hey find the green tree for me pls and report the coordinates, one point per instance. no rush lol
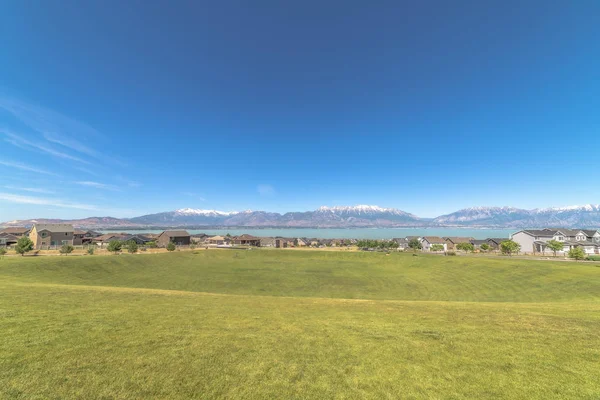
(114, 246)
(485, 247)
(171, 246)
(555, 246)
(577, 253)
(510, 247)
(437, 247)
(415, 244)
(466, 247)
(152, 244)
(66, 249)
(132, 247)
(90, 251)
(2, 252)
(24, 245)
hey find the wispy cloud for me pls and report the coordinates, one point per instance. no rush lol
(195, 195)
(25, 167)
(57, 128)
(20, 142)
(98, 185)
(28, 189)
(265, 190)
(15, 198)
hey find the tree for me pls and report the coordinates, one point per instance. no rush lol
(466, 247)
(171, 246)
(90, 251)
(485, 247)
(555, 246)
(132, 247)
(152, 244)
(66, 249)
(24, 245)
(509, 247)
(114, 246)
(577, 253)
(415, 244)
(437, 247)
(2, 252)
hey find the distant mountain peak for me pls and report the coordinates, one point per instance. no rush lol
(585, 207)
(194, 211)
(358, 208)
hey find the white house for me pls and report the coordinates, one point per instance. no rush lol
(536, 240)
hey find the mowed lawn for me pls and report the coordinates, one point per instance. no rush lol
(282, 324)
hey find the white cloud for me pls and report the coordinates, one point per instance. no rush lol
(20, 142)
(98, 185)
(57, 128)
(28, 189)
(15, 198)
(265, 190)
(25, 167)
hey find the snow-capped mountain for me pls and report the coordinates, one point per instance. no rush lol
(341, 216)
(510, 217)
(366, 216)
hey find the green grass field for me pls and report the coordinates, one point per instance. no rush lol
(305, 324)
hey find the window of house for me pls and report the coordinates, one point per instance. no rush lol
(561, 238)
(43, 234)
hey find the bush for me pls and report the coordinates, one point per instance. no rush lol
(132, 247)
(24, 245)
(115, 246)
(577, 253)
(151, 245)
(2, 251)
(90, 251)
(192, 246)
(450, 253)
(171, 246)
(66, 249)
(593, 258)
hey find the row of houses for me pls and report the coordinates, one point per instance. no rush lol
(56, 235)
(536, 240)
(448, 243)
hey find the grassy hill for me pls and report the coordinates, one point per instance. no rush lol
(284, 324)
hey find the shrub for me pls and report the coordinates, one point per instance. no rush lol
(171, 246)
(437, 247)
(2, 251)
(132, 247)
(151, 245)
(24, 245)
(484, 247)
(577, 253)
(90, 251)
(450, 253)
(66, 249)
(192, 246)
(593, 258)
(466, 247)
(115, 246)
(509, 247)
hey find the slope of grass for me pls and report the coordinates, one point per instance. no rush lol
(277, 324)
(322, 274)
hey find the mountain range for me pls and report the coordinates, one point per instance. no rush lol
(361, 216)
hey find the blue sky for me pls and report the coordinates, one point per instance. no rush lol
(128, 108)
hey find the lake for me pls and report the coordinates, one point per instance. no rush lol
(350, 233)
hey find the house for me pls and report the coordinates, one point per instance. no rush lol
(478, 242)
(451, 242)
(17, 231)
(180, 238)
(301, 242)
(6, 239)
(268, 242)
(44, 235)
(536, 240)
(281, 243)
(138, 239)
(200, 238)
(402, 243)
(81, 237)
(428, 241)
(218, 240)
(107, 238)
(495, 243)
(247, 240)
